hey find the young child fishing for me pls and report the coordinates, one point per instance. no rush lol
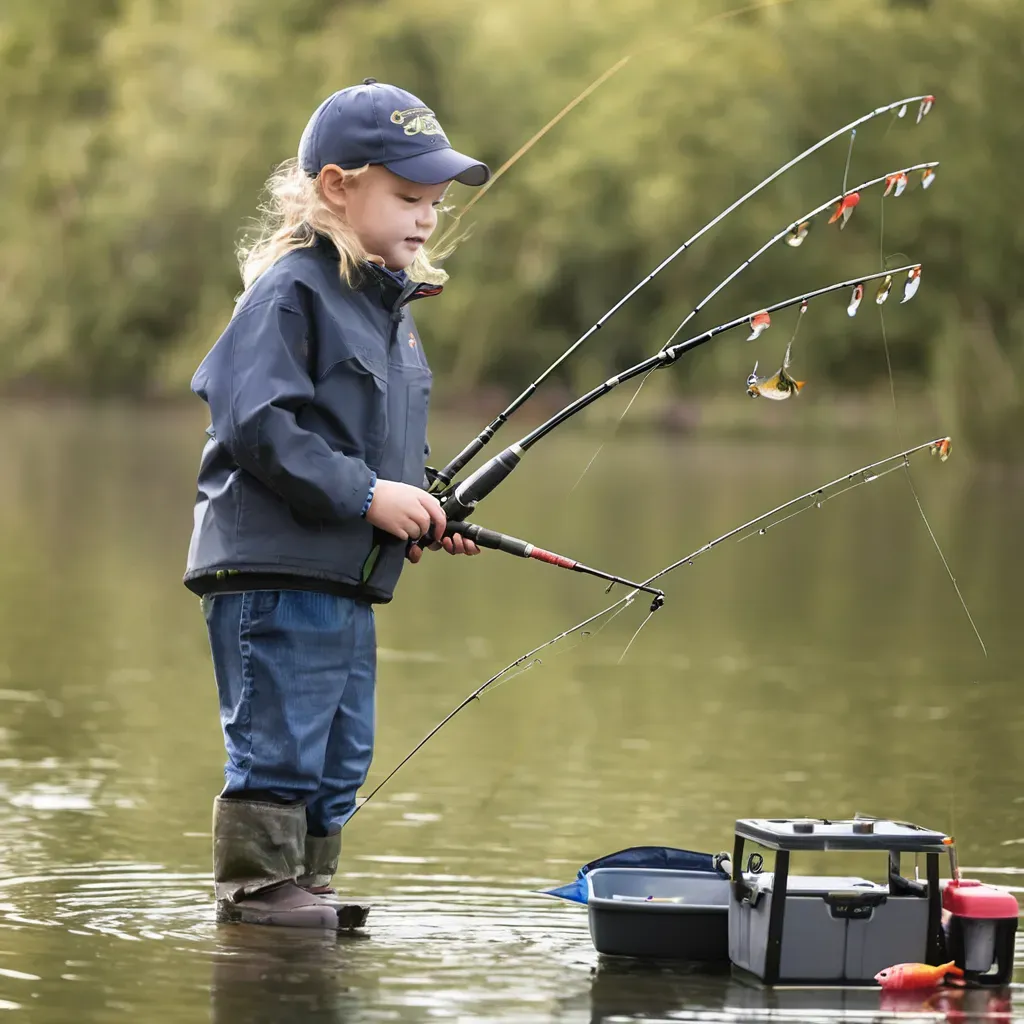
(311, 487)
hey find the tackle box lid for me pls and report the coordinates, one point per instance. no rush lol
(814, 885)
(969, 898)
(851, 834)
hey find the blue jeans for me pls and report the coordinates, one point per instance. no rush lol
(295, 675)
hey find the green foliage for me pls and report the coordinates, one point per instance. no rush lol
(138, 136)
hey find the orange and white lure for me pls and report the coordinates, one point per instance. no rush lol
(759, 323)
(941, 448)
(844, 209)
(926, 105)
(912, 284)
(779, 386)
(858, 294)
(927, 177)
(796, 236)
(896, 181)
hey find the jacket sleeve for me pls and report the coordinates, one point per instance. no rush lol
(255, 381)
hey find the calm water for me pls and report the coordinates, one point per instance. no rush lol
(825, 668)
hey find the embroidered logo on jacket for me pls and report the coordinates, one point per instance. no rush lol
(418, 121)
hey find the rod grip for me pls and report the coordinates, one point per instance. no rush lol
(490, 538)
(461, 502)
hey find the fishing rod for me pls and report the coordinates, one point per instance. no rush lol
(460, 501)
(523, 549)
(814, 498)
(442, 479)
(794, 234)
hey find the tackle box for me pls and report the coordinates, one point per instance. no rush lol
(657, 913)
(787, 928)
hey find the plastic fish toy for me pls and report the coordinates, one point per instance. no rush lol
(927, 177)
(926, 105)
(908, 976)
(913, 283)
(759, 323)
(941, 448)
(883, 290)
(845, 209)
(779, 386)
(896, 181)
(796, 237)
(858, 294)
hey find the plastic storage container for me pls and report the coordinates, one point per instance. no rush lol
(653, 913)
(981, 929)
(833, 929)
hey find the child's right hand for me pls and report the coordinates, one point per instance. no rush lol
(405, 511)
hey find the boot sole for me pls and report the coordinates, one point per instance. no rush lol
(324, 919)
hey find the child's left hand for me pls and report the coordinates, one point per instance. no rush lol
(457, 545)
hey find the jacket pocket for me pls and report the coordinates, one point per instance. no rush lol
(352, 399)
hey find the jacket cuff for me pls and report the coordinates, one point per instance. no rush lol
(369, 495)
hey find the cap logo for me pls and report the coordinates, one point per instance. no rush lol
(418, 121)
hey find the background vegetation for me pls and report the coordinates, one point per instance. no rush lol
(137, 135)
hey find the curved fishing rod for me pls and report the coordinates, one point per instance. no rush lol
(443, 477)
(795, 226)
(460, 502)
(813, 498)
(794, 233)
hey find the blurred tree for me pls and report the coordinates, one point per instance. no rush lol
(139, 134)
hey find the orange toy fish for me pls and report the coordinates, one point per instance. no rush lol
(845, 209)
(908, 976)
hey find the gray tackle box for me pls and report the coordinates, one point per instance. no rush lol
(657, 913)
(787, 928)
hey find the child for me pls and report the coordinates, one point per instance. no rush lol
(311, 488)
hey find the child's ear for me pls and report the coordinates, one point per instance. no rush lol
(333, 185)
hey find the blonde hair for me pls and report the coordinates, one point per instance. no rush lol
(294, 212)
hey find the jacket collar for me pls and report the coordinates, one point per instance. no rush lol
(395, 287)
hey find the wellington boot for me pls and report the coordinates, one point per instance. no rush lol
(286, 905)
(321, 858)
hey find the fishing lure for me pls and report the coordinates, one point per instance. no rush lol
(441, 480)
(844, 209)
(912, 284)
(855, 299)
(908, 976)
(896, 181)
(927, 177)
(796, 237)
(923, 110)
(779, 386)
(941, 448)
(759, 323)
(883, 290)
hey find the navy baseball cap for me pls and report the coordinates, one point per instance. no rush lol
(375, 123)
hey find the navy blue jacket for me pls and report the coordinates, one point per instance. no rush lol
(313, 387)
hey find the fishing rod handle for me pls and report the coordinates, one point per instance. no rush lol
(458, 503)
(492, 539)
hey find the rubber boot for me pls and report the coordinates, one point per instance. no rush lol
(257, 854)
(321, 853)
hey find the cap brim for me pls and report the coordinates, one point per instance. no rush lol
(440, 165)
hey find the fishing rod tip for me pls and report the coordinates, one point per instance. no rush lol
(659, 600)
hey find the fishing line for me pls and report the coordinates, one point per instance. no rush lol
(899, 438)
(849, 154)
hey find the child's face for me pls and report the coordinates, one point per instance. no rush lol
(391, 216)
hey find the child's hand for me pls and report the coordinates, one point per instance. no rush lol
(457, 545)
(405, 511)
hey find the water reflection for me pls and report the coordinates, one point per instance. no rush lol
(823, 669)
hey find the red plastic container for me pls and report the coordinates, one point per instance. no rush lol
(980, 929)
